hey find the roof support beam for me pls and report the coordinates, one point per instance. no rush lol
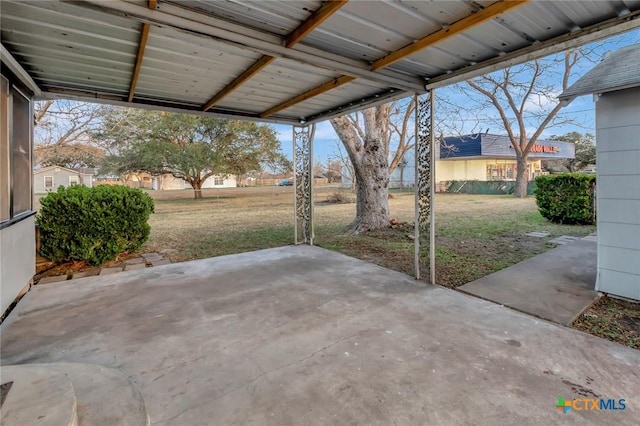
(201, 25)
(258, 66)
(323, 13)
(457, 27)
(332, 84)
(142, 45)
(318, 17)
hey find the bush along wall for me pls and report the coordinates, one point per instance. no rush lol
(567, 198)
(93, 224)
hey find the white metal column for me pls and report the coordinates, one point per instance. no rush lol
(424, 179)
(303, 184)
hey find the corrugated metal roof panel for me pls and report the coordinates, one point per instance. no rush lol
(348, 95)
(277, 17)
(198, 48)
(279, 82)
(68, 34)
(187, 67)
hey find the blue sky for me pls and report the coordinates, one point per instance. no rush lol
(580, 112)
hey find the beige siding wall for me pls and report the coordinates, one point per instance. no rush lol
(60, 178)
(461, 170)
(17, 259)
(448, 170)
(618, 175)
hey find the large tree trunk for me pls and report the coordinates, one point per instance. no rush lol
(197, 189)
(372, 195)
(522, 177)
(368, 153)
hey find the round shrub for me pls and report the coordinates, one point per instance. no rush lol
(93, 224)
(567, 198)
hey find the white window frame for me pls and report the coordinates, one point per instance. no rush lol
(76, 178)
(217, 179)
(45, 182)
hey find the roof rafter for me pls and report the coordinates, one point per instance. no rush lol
(323, 13)
(142, 45)
(210, 27)
(332, 84)
(457, 27)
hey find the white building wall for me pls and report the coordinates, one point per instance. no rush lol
(168, 182)
(618, 177)
(17, 259)
(448, 170)
(227, 182)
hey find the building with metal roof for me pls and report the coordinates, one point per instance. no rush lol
(615, 82)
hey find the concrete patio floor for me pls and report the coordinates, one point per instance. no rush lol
(302, 335)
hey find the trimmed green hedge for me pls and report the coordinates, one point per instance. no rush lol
(567, 197)
(93, 224)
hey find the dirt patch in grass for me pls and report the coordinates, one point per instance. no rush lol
(460, 261)
(390, 248)
(613, 319)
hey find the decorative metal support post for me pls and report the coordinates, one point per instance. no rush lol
(303, 183)
(424, 180)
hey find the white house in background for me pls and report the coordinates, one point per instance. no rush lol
(52, 177)
(615, 84)
(402, 177)
(168, 182)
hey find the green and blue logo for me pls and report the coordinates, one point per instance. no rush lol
(587, 404)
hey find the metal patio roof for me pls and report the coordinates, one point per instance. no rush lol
(284, 61)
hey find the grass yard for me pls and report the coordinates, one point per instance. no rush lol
(475, 234)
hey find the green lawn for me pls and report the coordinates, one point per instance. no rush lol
(475, 234)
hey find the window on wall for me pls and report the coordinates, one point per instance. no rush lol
(74, 180)
(15, 151)
(501, 171)
(48, 182)
(5, 181)
(21, 167)
(218, 181)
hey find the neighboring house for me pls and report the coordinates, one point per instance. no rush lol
(615, 84)
(476, 157)
(139, 180)
(402, 176)
(52, 177)
(168, 182)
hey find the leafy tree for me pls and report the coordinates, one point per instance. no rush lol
(72, 156)
(585, 150)
(63, 133)
(190, 147)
